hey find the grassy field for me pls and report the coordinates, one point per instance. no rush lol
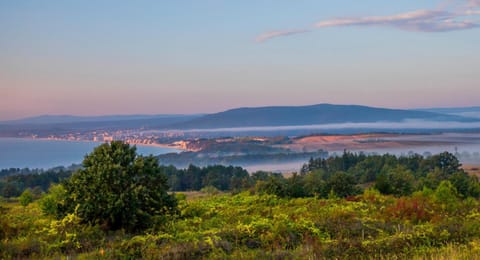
(254, 226)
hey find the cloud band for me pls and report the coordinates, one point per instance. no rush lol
(436, 20)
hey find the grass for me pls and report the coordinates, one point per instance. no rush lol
(245, 226)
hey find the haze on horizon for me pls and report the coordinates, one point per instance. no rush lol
(144, 57)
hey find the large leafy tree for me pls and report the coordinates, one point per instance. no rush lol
(119, 189)
(342, 185)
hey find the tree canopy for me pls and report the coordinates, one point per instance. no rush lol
(118, 189)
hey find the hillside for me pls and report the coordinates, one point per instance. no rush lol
(68, 119)
(46, 125)
(273, 116)
(472, 112)
(310, 115)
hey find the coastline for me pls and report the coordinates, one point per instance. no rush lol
(176, 147)
(158, 145)
(47, 153)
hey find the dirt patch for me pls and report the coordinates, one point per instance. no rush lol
(472, 169)
(345, 142)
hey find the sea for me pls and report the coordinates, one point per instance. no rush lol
(46, 154)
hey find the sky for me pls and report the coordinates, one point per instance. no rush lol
(201, 56)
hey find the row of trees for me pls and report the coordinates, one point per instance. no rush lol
(18, 171)
(343, 175)
(346, 175)
(207, 157)
(224, 178)
(367, 167)
(15, 181)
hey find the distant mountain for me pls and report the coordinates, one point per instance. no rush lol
(459, 111)
(235, 118)
(46, 125)
(61, 119)
(310, 115)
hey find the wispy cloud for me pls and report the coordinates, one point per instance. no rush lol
(473, 3)
(420, 21)
(450, 15)
(269, 35)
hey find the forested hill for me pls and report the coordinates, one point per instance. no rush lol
(48, 124)
(311, 115)
(273, 116)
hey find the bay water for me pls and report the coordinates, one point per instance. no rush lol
(36, 153)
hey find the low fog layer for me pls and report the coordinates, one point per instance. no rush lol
(408, 124)
(466, 146)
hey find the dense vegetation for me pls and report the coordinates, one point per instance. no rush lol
(203, 158)
(117, 189)
(14, 181)
(264, 226)
(224, 178)
(389, 174)
(352, 205)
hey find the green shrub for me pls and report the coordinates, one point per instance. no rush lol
(26, 197)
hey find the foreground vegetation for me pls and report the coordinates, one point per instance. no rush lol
(352, 206)
(245, 225)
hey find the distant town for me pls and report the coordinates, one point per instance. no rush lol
(140, 137)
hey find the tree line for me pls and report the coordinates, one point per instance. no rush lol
(343, 176)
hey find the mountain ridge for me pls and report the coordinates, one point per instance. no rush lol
(60, 119)
(316, 114)
(310, 115)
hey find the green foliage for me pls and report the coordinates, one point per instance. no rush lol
(467, 186)
(398, 181)
(342, 185)
(224, 178)
(275, 184)
(210, 190)
(26, 197)
(14, 181)
(370, 225)
(118, 189)
(314, 183)
(400, 176)
(446, 162)
(446, 195)
(53, 202)
(412, 208)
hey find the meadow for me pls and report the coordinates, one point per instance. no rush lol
(424, 225)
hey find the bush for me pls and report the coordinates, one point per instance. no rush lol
(118, 189)
(26, 197)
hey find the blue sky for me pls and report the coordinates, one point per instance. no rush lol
(130, 57)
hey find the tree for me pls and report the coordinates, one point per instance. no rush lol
(342, 185)
(26, 197)
(118, 189)
(53, 202)
(275, 184)
(398, 181)
(467, 186)
(446, 194)
(314, 183)
(446, 162)
(295, 186)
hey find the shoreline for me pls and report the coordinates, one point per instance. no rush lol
(180, 149)
(158, 145)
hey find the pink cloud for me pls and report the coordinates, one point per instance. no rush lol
(473, 3)
(269, 35)
(436, 20)
(383, 20)
(420, 21)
